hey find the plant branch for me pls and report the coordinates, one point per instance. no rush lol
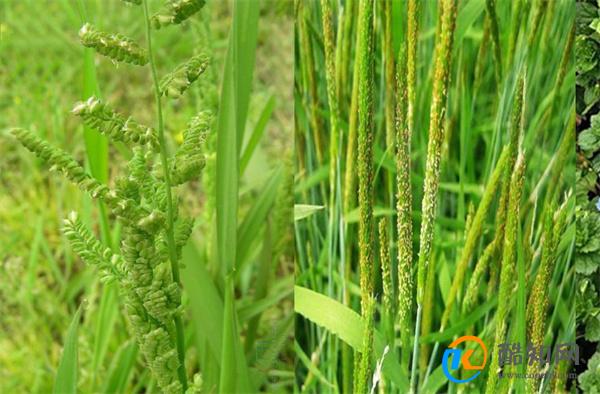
(170, 216)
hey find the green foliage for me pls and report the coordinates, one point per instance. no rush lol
(589, 139)
(587, 53)
(589, 381)
(587, 243)
(587, 252)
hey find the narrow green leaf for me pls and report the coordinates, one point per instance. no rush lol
(233, 109)
(435, 381)
(271, 346)
(107, 317)
(245, 35)
(66, 375)
(257, 133)
(466, 17)
(302, 211)
(205, 302)
(326, 312)
(255, 218)
(234, 376)
(348, 326)
(310, 366)
(462, 325)
(120, 370)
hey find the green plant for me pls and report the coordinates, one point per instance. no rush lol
(587, 252)
(142, 200)
(457, 251)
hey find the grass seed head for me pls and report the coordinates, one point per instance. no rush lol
(113, 45)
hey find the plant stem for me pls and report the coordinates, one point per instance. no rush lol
(170, 219)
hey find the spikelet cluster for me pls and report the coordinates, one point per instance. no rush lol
(189, 158)
(365, 151)
(363, 363)
(365, 178)
(92, 251)
(508, 264)
(113, 45)
(63, 162)
(105, 120)
(332, 94)
(176, 82)
(176, 11)
(436, 136)
(151, 300)
(475, 281)
(183, 232)
(404, 209)
(538, 300)
(386, 266)
(490, 6)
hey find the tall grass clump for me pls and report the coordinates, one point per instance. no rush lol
(463, 170)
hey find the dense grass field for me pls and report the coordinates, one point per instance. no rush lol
(311, 196)
(435, 166)
(61, 326)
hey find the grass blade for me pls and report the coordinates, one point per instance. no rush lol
(66, 375)
(348, 326)
(255, 218)
(235, 95)
(121, 368)
(257, 133)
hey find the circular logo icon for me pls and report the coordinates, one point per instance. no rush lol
(454, 358)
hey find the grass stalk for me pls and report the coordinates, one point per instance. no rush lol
(508, 266)
(436, 136)
(539, 10)
(475, 282)
(490, 6)
(350, 174)
(179, 334)
(516, 25)
(363, 369)
(412, 40)
(404, 213)
(365, 171)
(473, 235)
(413, 368)
(386, 278)
(427, 318)
(309, 64)
(365, 152)
(443, 61)
(390, 73)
